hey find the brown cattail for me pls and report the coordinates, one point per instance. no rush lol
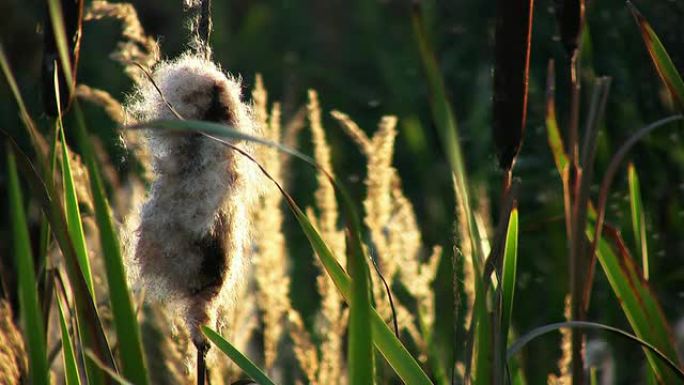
(571, 18)
(513, 35)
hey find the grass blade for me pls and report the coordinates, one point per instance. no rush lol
(445, 121)
(540, 331)
(638, 220)
(72, 27)
(661, 59)
(127, 328)
(360, 353)
(70, 366)
(553, 134)
(112, 374)
(28, 295)
(90, 327)
(638, 302)
(510, 263)
(240, 359)
(511, 72)
(73, 214)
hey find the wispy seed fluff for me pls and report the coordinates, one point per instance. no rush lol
(193, 230)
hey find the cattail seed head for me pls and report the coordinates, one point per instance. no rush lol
(193, 228)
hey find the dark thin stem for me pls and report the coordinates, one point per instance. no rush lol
(202, 350)
(204, 25)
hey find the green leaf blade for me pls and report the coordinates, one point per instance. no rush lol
(638, 219)
(70, 366)
(360, 351)
(28, 294)
(638, 302)
(237, 357)
(661, 59)
(510, 263)
(125, 321)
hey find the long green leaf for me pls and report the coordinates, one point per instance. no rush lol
(510, 263)
(90, 327)
(28, 295)
(70, 366)
(384, 339)
(661, 59)
(240, 359)
(540, 331)
(638, 220)
(360, 353)
(73, 214)
(637, 300)
(445, 121)
(554, 137)
(127, 328)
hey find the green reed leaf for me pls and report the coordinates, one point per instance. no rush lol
(31, 316)
(244, 363)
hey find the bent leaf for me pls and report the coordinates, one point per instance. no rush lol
(240, 359)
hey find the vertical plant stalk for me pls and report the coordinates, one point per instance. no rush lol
(571, 23)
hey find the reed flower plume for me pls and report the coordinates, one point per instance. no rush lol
(13, 358)
(332, 319)
(193, 229)
(136, 47)
(270, 260)
(394, 231)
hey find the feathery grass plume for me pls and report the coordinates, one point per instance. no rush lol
(565, 375)
(270, 260)
(166, 363)
(137, 47)
(304, 349)
(131, 140)
(331, 322)
(103, 99)
(13, 359)
(465, 250)
(239, 329)
(390, 218)
(194, 224)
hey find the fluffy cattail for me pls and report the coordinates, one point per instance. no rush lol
(194, 225)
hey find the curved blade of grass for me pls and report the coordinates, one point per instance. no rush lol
(384, 339)
(28, 295)
(38, 141)
(607, 181)
(90, 327)
(637, 300)
(540, 331)
(553, 134)
(510, 263)
(638, 220)
(481, 347)
(70, 366)
(661, 59)
(127, 328)
(445, 121)
(58, 28)
(238, 358)
(73, 214)
(360, 353)
(112, 374)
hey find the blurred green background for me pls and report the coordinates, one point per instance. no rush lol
(362, 58)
